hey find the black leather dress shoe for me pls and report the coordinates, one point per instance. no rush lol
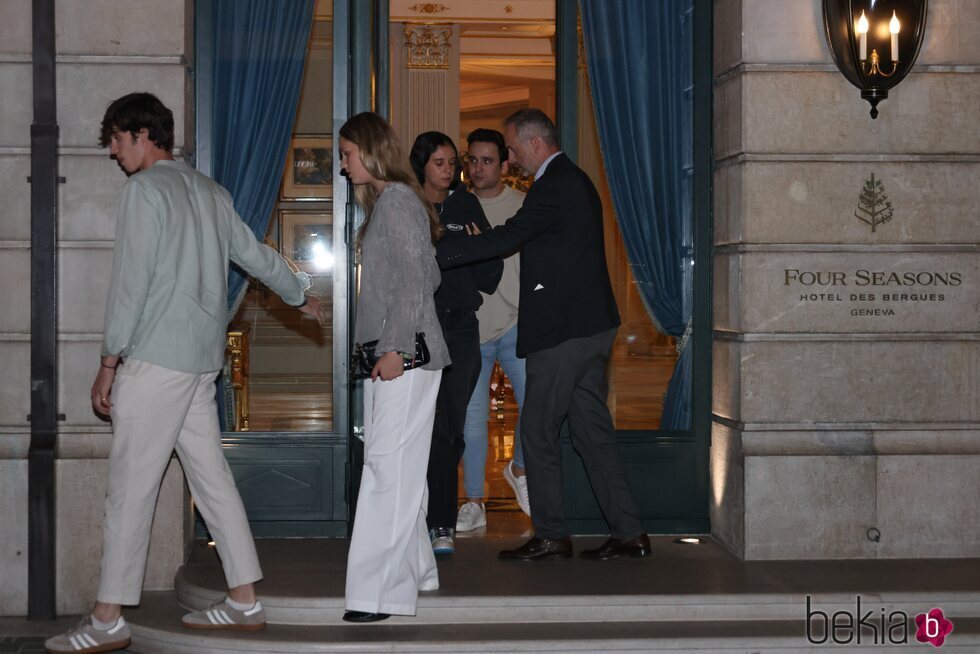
(540, 548)
(615, 548)
(361, 616)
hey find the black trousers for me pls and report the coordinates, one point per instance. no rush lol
(462, 333)
(570, 380)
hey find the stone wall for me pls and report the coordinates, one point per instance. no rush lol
(104, 49)
(836, 413)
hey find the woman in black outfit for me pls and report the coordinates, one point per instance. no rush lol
(437, 166)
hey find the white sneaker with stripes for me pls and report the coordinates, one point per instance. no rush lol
(221, 615)
(86, 639)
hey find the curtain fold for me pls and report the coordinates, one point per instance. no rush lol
(259, 53)
(639, 63)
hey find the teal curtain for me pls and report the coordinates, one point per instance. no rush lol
(259, 52)
(639, 55)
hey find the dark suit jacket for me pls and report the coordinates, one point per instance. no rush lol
(565, 290)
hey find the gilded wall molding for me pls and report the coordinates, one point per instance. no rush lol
(427, 46)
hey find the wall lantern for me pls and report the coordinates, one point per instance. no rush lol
(874, 42)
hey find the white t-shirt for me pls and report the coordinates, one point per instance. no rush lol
(499, 311)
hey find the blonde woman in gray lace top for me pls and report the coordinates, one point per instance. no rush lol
(390, 557)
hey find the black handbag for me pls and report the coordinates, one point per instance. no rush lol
(364, 357)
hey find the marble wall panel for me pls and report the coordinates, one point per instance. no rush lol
(853, 381)
(16, 85)
(15, 27)
(15, 209)
(96, 27)
(89, 198)
(927, 506)
(821, 112)
(13, 537)
(809, 507)
(83, 282)
(81, 486)
(816, 202)
(15, 290)
(727, 489)
(849, 292)
(86, 89)
(15, 380)
(952, 33)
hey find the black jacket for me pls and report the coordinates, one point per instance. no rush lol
(461, 286)
(565, 289)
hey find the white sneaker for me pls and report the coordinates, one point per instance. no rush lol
(442, 540)
(472, 515)
(519, 484)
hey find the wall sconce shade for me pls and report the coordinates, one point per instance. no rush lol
(874, 42)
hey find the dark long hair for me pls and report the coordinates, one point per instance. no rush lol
(382, 157)
(425, 144)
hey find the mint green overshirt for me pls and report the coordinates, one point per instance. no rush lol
(176, 232)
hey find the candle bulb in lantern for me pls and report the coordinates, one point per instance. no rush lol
(863, 31)
(894, 26)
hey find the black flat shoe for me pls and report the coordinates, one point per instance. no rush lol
(361, 616)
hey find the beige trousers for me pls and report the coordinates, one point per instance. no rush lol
(391, 557)
(155, 410)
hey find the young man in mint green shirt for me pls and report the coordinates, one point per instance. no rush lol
(166, 318)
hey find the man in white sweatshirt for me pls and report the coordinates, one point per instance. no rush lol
(486, 162)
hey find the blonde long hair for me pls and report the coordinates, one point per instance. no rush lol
(383, 158)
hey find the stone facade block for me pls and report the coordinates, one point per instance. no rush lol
(727, 46)
(815, 202)
(15, 27)
(927, 506)
(84, 275)
(783, 31)
(15, 210)
(728, 130)
(809, 507)
(13, 537)
(848, 381)
(847, 292)
(821, 112)
(16, 84)
(89, 199)
(15, 379)
(85, 90)
(79, 362)
(81, 487)
(727, 496)
(94, 27)
(15, 293)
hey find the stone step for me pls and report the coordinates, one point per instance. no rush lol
(156, 630)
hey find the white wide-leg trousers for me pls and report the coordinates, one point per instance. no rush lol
(154, 410)
(391, 557)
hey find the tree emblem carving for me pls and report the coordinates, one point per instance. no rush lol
(873, 205)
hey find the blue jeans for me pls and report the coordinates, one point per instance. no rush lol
(504, 350)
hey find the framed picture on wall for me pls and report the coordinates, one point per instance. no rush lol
(306, 239)
(309, 169)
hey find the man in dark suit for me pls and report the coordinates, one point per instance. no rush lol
(566, 326)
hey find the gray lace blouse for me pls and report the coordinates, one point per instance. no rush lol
(399, 275)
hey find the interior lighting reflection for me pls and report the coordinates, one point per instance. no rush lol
(322, 257)
(688, 541)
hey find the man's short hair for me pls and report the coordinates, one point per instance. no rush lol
(483, 135)
(137, 111)
(533, 122)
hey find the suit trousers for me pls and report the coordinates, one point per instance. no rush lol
(570, 380)
(390, 556)
(462, 332)
(155, 410)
